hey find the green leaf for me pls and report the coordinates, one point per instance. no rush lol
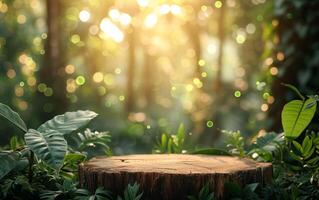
(13, 117)
(170, 146)
(181, 134)
(205, 193)
(163, 142)
(14, 143)
(307, 144)
(308, 154)
(132, 192)
(93, 139)
(72, 160)
(8, 161)
(252, 187)
(298, 146)
(102, 194)
(295, 157)
(296, 117)
(68, 122)
(49, 146)
(313, 160)
(212, 151)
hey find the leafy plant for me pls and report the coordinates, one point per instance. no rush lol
(47, 143)
(172, 143)
(68, 122)
(234, 191)
(49, 146)
(131, 193)
(99, 194)
(68, 190)
(297, 170)
(304, 154)
(297, 115)
(8, 161)
(204, 194)
(12, 116)
(235, 143)
(93, 142)
(267, 147)
(18, 188)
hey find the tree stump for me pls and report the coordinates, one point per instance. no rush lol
(171, 176)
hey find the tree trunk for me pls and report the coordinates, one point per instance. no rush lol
(130, 100)
(172, 176)
(52, 71)
(221, 37)
(148, 76)
(217, 85)
(193, 31)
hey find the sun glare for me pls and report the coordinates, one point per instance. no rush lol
(111, 30)
(84, 15)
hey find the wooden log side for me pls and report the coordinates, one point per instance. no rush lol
(171, 176)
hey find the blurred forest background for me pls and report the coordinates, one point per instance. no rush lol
(148, 65)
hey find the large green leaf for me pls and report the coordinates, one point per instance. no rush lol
(49, 146)
(296, 116)
(8, 161)
(13, 117)
(68, 122)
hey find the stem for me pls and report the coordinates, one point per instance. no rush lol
(31, 161)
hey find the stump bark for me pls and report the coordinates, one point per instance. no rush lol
(171, 176)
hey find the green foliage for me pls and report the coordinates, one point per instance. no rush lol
(212, 151)
(71, 160)
(65, 191)
(68, 190)
(304, 154)
(234, 191)
(172, 143)
(204, 194)
(8, 161)
(267, 148)
(297, 170)
(12, 116)
(296, 116)
(49, 146)
(235, 143)
(90, 140)
(100, 194)
(18, 188)
(131, 193)
(16, 143)
(68, 122)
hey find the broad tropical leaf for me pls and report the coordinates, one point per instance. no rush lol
(68, 122)
(296, 116)
(8, 161)
(13, 117)
(49, 146)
